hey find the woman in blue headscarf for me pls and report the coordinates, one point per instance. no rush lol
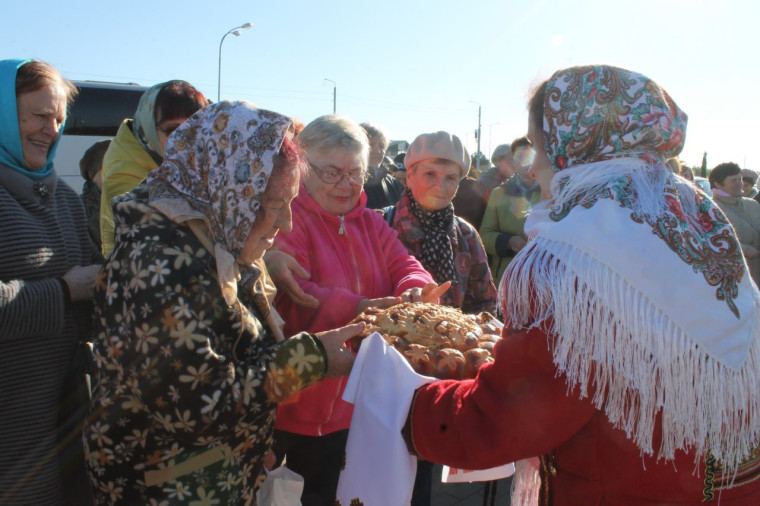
(47, 277)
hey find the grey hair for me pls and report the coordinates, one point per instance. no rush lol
(375, 131)
(330, 132)
(500, 152)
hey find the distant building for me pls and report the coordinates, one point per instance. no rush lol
(396, 147)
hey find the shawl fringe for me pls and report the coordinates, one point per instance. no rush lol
(635, 363)
(526, 484)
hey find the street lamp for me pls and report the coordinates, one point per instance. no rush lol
(236, 32)
(477, 157)
(489, 137)
(335, 93)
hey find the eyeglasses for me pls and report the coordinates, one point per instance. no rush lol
(167, 131)
(335, 177)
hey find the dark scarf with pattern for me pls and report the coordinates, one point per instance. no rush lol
(436, 256)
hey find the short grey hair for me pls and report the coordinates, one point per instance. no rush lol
(500, 152)
(375, 131)
(330, 132)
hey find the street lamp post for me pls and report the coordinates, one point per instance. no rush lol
(477, 157)
(335, 94)
(236, 32)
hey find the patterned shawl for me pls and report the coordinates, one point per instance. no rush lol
(436, 255)
(652, 306)
(216, 168)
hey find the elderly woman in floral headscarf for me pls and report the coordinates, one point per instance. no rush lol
(630, 391)
(190, 358)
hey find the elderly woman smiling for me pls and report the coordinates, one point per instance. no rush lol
(355, 262)
(191, 360)
(45, 293)
(445, 244)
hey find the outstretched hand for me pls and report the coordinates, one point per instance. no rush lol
(283, 268)
(431, 292)
(381, 303)
(340, 359)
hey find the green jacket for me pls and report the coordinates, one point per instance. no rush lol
(504, 217)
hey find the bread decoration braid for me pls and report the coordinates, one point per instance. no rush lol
(436, 340)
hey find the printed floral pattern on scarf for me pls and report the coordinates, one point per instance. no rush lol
(598, 113)
(181, 373)
(435, 254)
(592, 113)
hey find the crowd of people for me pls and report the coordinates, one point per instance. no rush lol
(180, 330)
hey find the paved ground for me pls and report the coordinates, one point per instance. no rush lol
(468, 494)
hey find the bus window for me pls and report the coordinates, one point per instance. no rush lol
(96, 114)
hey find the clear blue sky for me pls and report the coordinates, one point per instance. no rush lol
(414, 66)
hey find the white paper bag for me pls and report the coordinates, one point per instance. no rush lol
(282, 487)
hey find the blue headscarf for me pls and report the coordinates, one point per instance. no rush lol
(11, 152)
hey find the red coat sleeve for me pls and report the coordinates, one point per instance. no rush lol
(516, 407)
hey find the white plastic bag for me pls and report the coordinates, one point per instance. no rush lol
(282, 487)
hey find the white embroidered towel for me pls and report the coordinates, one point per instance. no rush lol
(379, 470)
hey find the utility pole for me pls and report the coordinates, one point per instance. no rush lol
(335, 94)
(477, 156)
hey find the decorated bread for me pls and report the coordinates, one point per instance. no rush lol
(437, 340)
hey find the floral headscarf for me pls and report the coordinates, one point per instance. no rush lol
(639, 273)
(595, 113)
(216, 168)
(220, 160)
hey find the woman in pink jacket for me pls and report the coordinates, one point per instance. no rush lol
(355, 261)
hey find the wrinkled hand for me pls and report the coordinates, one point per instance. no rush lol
(381, 303)
(431, 292)
(749, 251)
(516, 243)
(282, 268)
(340, 360)
(81, 281)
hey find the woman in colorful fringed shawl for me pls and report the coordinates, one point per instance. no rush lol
(190, 358)
(630, 360)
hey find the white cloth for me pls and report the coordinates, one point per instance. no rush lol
(713, 328)
(379, 469)
(283, 487)
(649, 301)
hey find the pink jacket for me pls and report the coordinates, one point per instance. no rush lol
(351, 257)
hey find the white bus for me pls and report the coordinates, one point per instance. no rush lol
(95, 114)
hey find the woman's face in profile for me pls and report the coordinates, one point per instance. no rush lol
(274, 214)
(747, 187)
(541, 168)
(166, 127)
(731, 184)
